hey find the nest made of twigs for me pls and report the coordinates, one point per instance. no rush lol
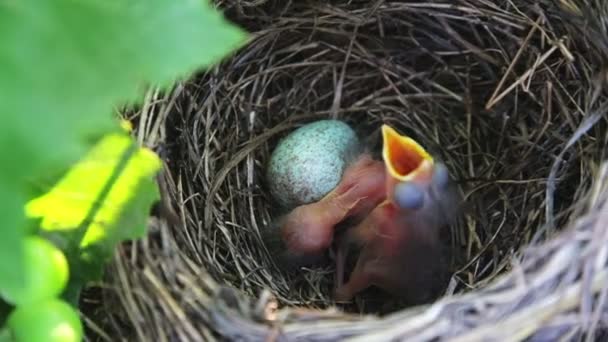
(509, 94)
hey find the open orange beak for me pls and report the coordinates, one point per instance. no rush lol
(405, 160)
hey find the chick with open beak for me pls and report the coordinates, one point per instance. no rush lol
(399, 241)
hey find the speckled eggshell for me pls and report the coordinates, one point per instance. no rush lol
(309, 162)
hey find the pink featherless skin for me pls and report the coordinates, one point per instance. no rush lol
(400, 248)
(307, 231)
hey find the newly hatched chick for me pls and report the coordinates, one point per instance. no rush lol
(308, 231)
(401, 251)
(310, 175)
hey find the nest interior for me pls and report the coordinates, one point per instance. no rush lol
(510, 96)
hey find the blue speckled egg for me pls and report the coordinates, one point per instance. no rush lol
(309, 162)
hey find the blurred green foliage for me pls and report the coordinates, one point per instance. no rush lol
(66, 65)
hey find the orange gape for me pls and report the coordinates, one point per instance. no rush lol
(400, 249)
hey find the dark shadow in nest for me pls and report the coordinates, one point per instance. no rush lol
(490, 90)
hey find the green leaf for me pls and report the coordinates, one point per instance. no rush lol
(11, 236)
(65, 65)
(101, 201)
(5, 335)
(5, 310)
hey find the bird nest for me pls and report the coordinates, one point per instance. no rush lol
(509, 94)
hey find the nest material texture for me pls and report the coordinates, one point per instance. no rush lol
(510, 94)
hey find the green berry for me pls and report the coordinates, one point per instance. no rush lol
(51, 320)
(46, 273)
